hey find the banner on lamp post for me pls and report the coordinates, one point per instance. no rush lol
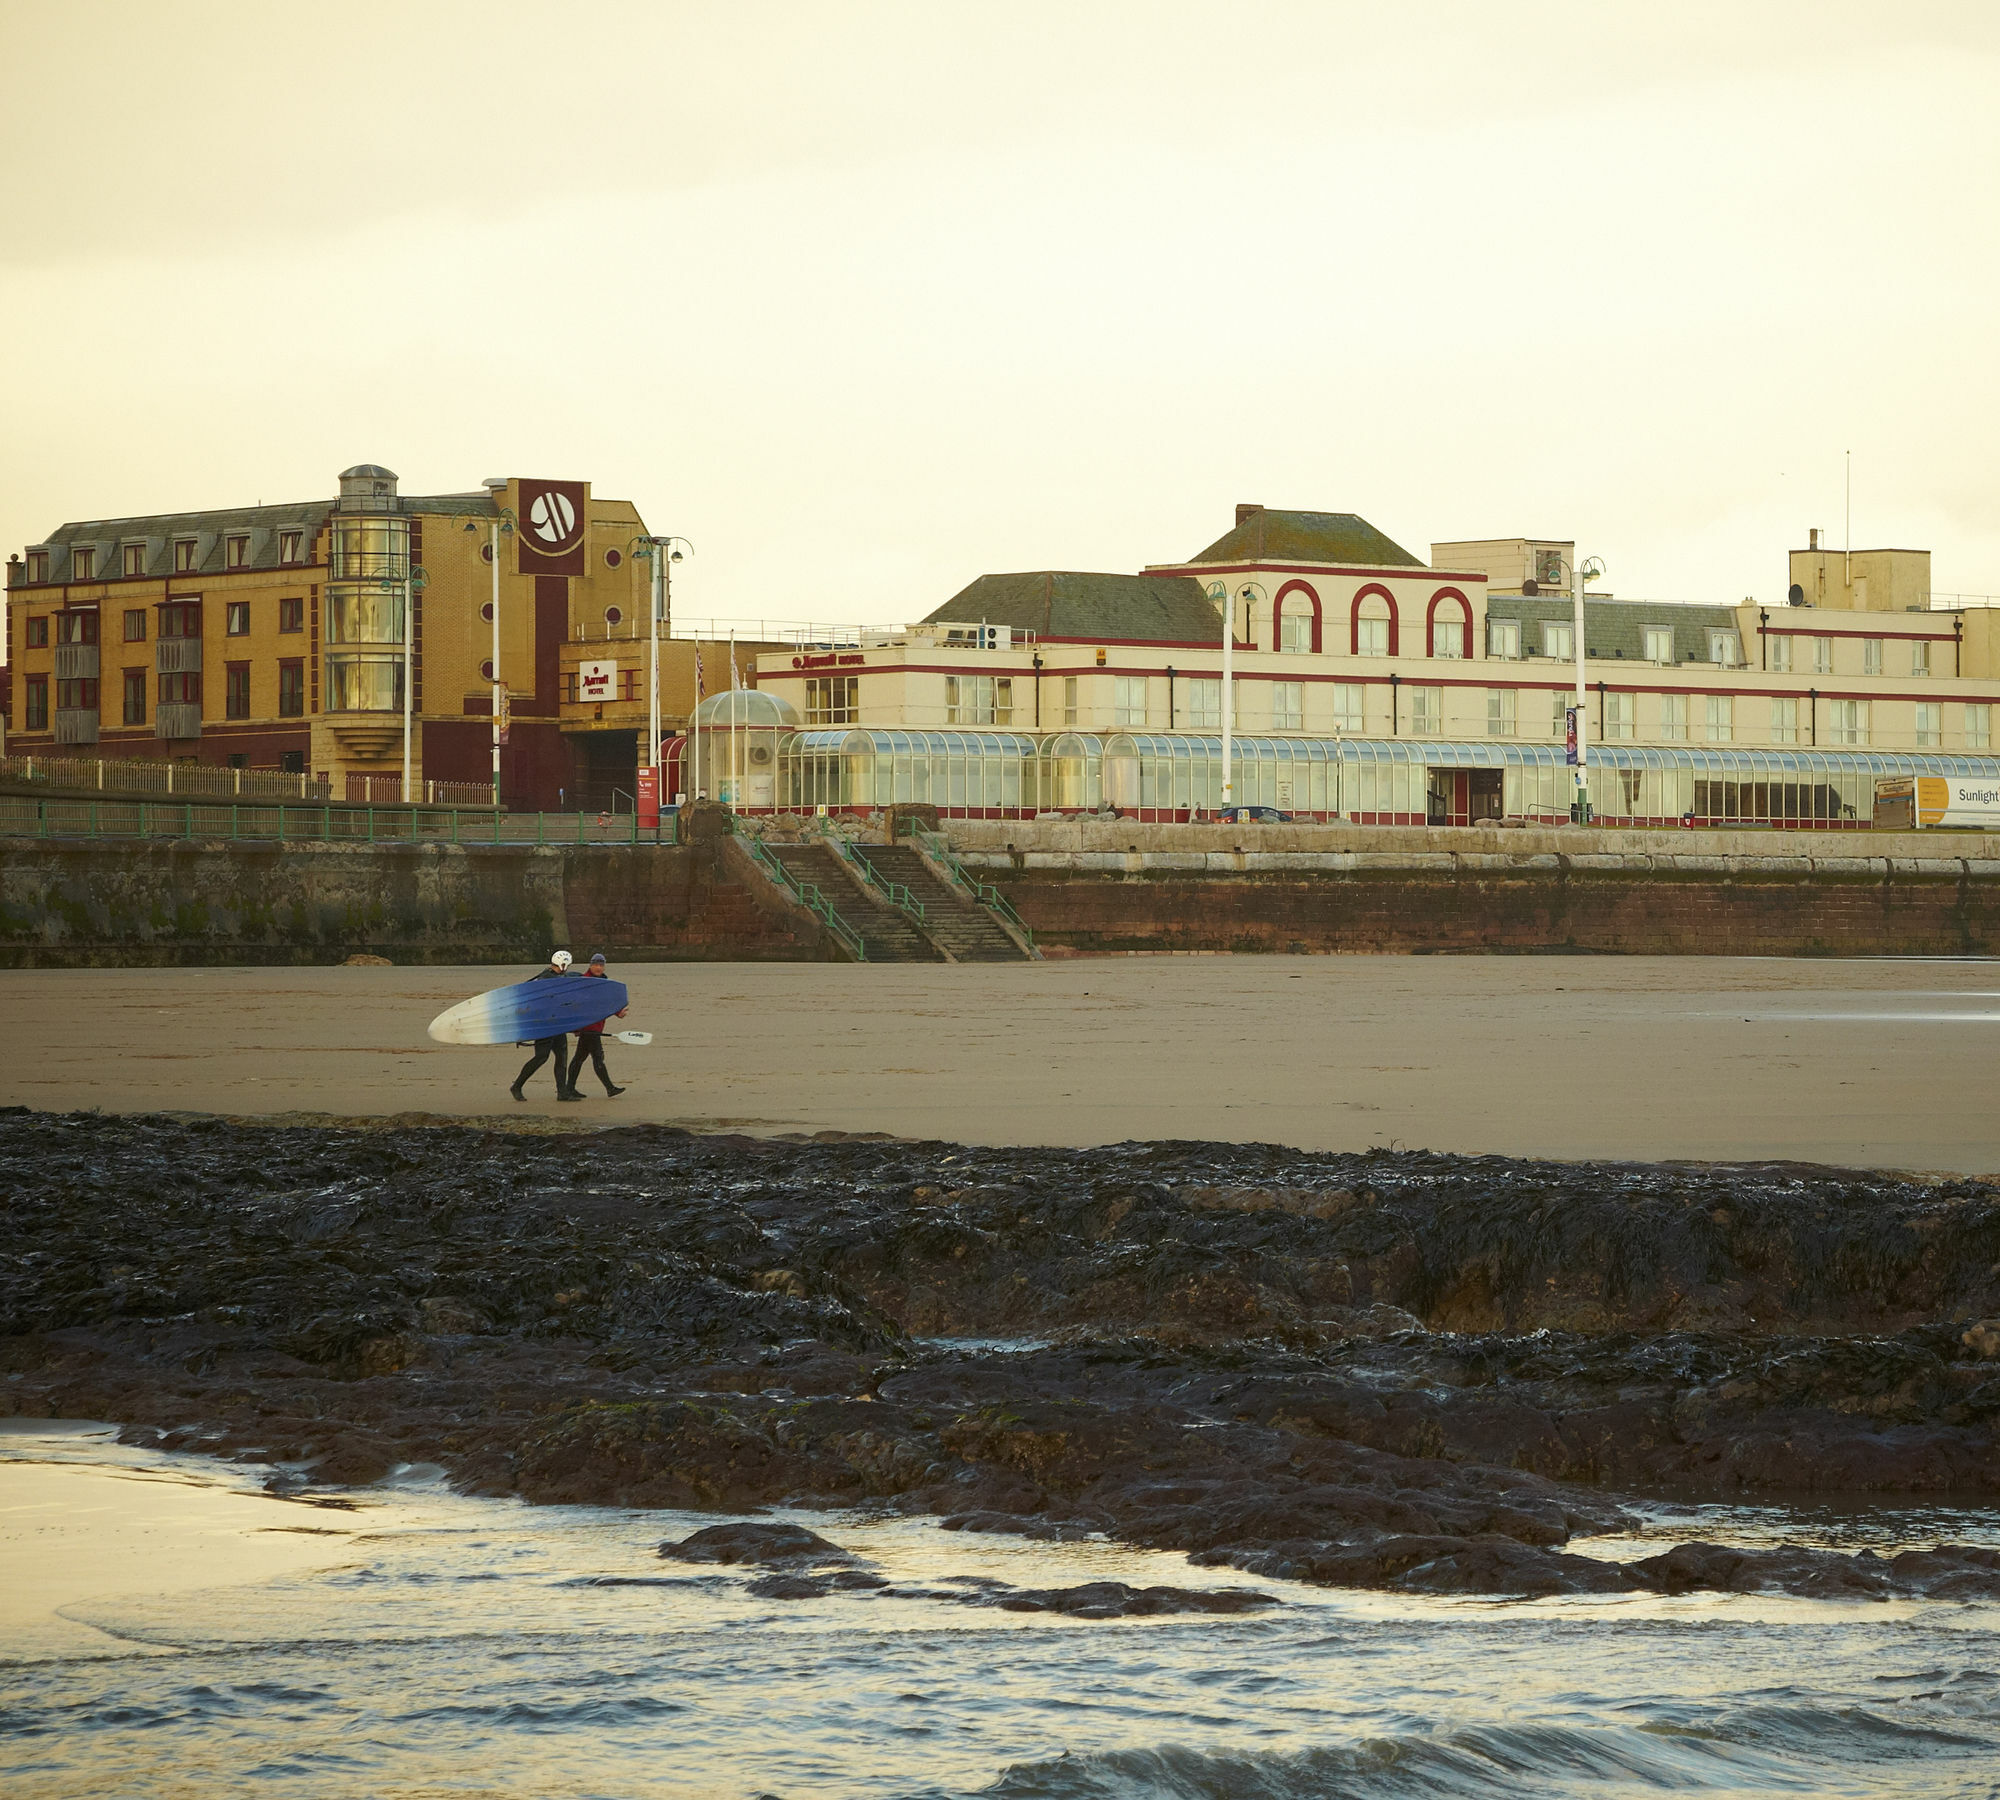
(506, 713)
(1569, 736)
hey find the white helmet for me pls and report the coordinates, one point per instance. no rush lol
(560, 960)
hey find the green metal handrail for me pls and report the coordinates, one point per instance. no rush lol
(894, 892)
(32, 816)
(939, 849)
(807, 894)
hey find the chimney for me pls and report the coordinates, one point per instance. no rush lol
(1812, 538)
(1244, 508)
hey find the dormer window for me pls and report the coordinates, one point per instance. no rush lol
(83, 562)
(238, 554)
(183, 556)
(289, 544)
(38, 567)
(135, 559)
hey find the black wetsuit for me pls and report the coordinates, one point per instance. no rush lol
(557, 1046)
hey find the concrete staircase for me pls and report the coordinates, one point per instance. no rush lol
(953, 920)
(890, 934)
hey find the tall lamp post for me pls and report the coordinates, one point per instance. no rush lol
(413, 580)
(502, 524)
(1219, 593)
(1590, 569)
(662, 553)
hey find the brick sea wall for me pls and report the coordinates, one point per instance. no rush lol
(138, 903)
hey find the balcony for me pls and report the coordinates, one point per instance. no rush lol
(77, 662)
(178, 656)
(77, 724)
(177, 718)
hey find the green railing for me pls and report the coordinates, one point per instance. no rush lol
(30, 816)
(807, 894)
(938, 848)
(894, 892)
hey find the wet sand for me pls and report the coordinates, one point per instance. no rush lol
(71, 1532)
(1875, 1063)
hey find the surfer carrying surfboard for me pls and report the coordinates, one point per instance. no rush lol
(590, 1040)
(546, 1047)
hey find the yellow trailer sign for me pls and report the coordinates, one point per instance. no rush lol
(1924, 802)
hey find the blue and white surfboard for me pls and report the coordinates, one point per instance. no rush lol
(528, 1010)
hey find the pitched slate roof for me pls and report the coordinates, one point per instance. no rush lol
(1616, 629)
(1316, 537)
(1064, 603)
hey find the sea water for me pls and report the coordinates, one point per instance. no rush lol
(460, 1647)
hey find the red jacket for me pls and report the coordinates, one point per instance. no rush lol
(602, 975)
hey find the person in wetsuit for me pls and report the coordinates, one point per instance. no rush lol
(557, 1046)
(590, 1041)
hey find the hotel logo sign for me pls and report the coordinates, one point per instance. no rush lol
(552, 524)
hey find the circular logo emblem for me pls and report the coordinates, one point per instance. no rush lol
(552, 518)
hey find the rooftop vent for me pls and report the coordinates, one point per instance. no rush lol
(367, 487)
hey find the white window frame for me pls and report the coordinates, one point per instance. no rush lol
(1778, 653)
(1920, 656)
(1930, 724)
(1559, 640)
(1503, 639)
(1371, 637)
(1978, 722)
(1784, 720)
(1849, 722)
(1502, 712)
(1725, 648)
(1069, 700)
(1659, 644)
(1128, 701)
(1448, 639)
(1426, 711)
(1288, 706)
(1295, 631)
(1822, 656)
(1204, 704)
(1720, 718)
(1620, 717)
(1673, 718)
(1350, 706)
(1871, 656)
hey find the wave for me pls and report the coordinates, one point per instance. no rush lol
(1819, 1751)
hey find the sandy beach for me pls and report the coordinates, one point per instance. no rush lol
(1878, 1064)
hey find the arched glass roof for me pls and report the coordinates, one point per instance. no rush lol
(860, 742)
(747, 707)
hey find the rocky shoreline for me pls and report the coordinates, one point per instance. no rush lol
(1390, 1369)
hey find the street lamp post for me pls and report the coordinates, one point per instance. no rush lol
(662, 553)
(1580, 573)
(413, 580)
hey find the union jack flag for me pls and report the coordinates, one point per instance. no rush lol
(699, 689)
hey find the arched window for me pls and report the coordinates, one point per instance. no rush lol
(1296, 619)
(1450, 622)
(1372, 623)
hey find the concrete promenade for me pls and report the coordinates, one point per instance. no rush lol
(1876, 1063)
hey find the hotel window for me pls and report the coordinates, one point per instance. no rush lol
(239, 552)
(1726, 648)
(292, 613)
(1673, 717)
(1847, 721)
(135, 559)
(978, 700)
(1204, 705)
(832, 699)
(1295, 631)
(1659, 643)
(1347, 706)
(1871, 656)
(289, 544)
(1288, 706)
(236, 691)
(1559, 722)
(1784, 721)
(1448, 637)
(79, 627)
(35, 703)
(1930, 725)
(135, 696)
(1069, 699)
(1822, 656)
(82, 563)
(79, 694)
(1778, 651)
(1559, 641)
(292, 688)
(183, 556)
(182, 619)
(135, 625)
(1371, 637)
(1503, 638)
(1920, 657)
(1721, 709)
(38, 567)
(237, 619)
(1979, 727)
(182, 689)
(1620, 712)
(1128, 700)
(1426, 712)
(38, 633)
(1500, 713)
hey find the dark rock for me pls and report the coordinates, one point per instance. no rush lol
(752, 1541)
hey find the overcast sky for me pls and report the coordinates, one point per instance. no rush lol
(866, 299)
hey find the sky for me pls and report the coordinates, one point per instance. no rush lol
(867, 299)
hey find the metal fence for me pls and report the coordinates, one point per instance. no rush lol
(23, 815)
(161, 776)
(387, 790)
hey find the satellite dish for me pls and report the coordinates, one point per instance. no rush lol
(1795, 595)
(1531, 587)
